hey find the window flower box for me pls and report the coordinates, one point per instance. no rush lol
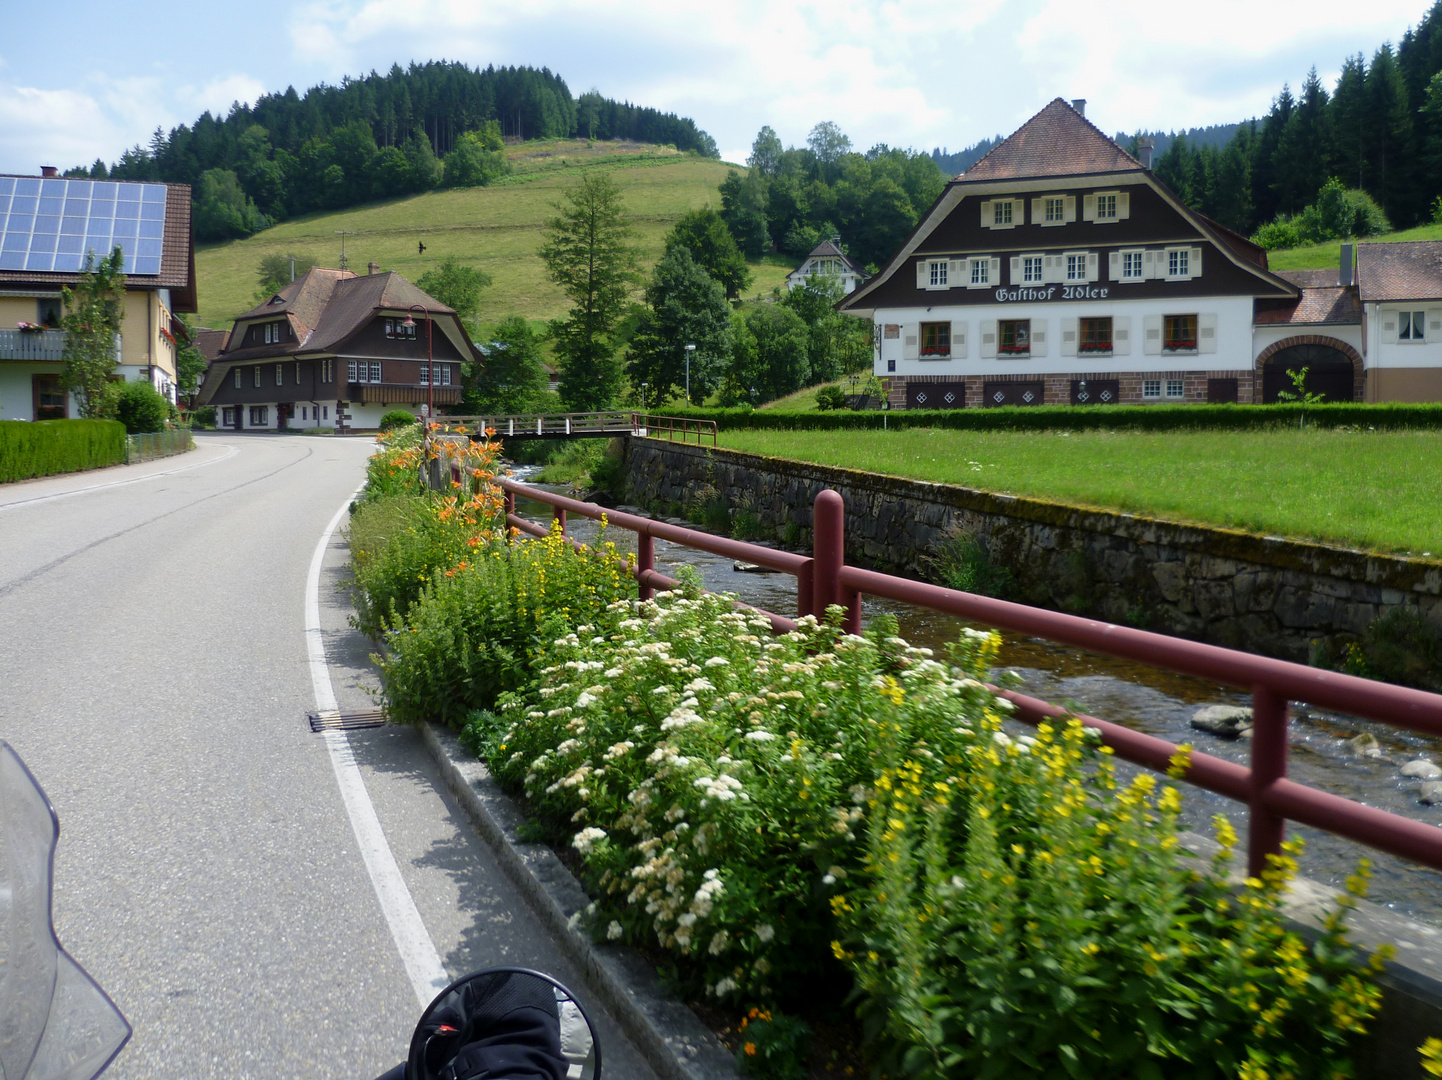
(1014, 350)
(936, 351)
(1095, 347)
(1180, 345)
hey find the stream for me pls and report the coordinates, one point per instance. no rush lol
(1151, 700)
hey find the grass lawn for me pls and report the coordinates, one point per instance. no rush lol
(1328, 256)
(497, 229)
(1376, 490)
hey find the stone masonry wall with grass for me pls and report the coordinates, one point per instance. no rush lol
(1279, 597)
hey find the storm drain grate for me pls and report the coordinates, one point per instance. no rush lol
(352, 721)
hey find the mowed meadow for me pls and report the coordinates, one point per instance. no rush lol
(497, 229)
(1379, 490)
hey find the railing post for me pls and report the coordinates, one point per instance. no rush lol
(805, 589)
(828, 550)
(645, 562)
(560, 515)
(1269, 764)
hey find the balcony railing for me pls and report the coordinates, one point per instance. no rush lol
(44, 345)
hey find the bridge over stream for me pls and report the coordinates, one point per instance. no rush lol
(585, 425)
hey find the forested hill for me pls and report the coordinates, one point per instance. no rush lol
(377, 137)
(1214, 135)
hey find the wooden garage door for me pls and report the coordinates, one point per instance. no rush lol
(996, 394)
(1329, 373)
(936, 395)
(1095, 391)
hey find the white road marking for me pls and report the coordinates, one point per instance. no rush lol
(418, 953)
(230, 452)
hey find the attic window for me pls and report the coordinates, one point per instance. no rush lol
(277, 299)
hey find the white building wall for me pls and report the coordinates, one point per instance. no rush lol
(1233, 349)
(1385, 351)
(1269, 334)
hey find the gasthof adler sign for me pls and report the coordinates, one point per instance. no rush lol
(1068, 292)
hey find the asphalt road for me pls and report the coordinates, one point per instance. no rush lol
(154, 677)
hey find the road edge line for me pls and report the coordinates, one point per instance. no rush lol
(418, 953)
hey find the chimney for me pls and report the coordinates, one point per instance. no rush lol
(1144, 152)
(1344, 274)
(49, 171)
(1080, 105)
(373, 268)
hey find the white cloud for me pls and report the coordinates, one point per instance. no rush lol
(51, 127)
(218, 95)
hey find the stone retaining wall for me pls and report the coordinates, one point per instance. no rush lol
(1264, 594)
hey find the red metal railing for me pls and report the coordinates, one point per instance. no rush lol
(823, 579)
(674, 428)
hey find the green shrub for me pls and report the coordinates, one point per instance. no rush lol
(773, 1046)
(203, 417)
(1389, 416)
(47, 447)
(1399, 646)
(139, 406)
(757, 808)
(830, 397)
(473, 630)
(397, 418)
(1277, 235)
(961, 560)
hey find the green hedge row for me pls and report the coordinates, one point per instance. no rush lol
(46, 447)
(1083, 417)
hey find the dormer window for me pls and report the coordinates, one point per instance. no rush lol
(1104, 207)
(397, 328)
(273, 333)
(277, 299)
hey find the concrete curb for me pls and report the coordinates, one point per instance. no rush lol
(676, 1044)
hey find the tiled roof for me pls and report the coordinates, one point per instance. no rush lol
(209, 342)
(827, 250)
(1058, 141)
(1408, 270)
(177, 258)
(326, 306)
(1336, 304)
(1311, 279)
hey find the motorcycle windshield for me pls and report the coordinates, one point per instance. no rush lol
(55, 1022)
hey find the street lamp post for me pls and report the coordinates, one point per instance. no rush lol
(410, 324)
(643, 397)
(689, 350)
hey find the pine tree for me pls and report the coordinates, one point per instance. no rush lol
(1303, 156)
(1389, 122)
(684, 306)
(1348, 110)
(586, 253)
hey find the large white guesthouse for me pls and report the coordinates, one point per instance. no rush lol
(1058, 269)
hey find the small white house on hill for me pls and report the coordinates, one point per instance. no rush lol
(827, 259)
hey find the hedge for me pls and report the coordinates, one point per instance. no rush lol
(46, 447)
(1083, 417)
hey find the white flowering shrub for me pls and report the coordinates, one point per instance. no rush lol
(714, 778)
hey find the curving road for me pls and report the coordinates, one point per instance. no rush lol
(154, 675)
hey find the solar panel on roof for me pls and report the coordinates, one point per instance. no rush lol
(51, 224)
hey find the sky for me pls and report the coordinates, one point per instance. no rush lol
(913, 73)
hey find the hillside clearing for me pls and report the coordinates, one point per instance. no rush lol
(497, 229)
(1377, 490)
(1328, 256)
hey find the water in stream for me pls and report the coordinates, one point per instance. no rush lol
(1153, 701)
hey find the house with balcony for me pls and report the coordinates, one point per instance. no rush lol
(338, 350)
(827, 260)
(48, 226)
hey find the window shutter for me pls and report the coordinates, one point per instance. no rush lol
(1038, 212)
(1121, 335)
(958, 341)
(1068, 337)
(1070, 214)
(911, 341)
(1114, 266)
(1089, 207)
(923, 275)
(986, 214)
(1154, 264)
(1389, 327)
(995, 277)
(1053, 269)
(1038, 337)
(1194, 263)
(1152, 345)
(987, 349)
(1093, 266)
(1124, 205)
(955, 273)
(1016, 270)
(1206, 333)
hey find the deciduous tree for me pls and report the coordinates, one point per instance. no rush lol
(705, 236)
(684, 306)
(93, 311)
(456, 285)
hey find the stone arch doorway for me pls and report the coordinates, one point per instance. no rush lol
(1334, 369)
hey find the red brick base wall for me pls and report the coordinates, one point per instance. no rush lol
(1058, 386)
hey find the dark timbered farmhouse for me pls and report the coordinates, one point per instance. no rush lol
(1058, 269)
(333, 349)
